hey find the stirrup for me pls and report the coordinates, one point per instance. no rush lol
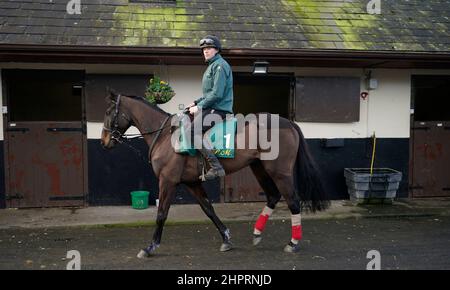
(202, 176)
(212, 173)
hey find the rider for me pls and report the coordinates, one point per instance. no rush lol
(217, 98)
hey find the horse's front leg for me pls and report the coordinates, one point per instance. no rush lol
(202, 198)
(166, 193)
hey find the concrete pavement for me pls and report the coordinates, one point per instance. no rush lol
(228, 212)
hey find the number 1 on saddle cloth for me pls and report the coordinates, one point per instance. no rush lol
(223, 147)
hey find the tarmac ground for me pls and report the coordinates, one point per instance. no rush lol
(409, 234)
(332, 244)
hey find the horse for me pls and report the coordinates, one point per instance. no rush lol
(293, 175)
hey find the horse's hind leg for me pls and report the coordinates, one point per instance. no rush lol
(202, 198)
(285, 185)
(272, 194)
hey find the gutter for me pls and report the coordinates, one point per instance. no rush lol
(237, 56)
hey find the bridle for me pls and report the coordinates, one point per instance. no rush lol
(115, 132)
(121, 137)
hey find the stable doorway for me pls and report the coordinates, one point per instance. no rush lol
(44, 138)
(430, 136)
(272, 93)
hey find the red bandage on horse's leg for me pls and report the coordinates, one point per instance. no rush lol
(297, 232)
(262, 220)
(296, 228)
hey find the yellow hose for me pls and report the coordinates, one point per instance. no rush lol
(373, 153)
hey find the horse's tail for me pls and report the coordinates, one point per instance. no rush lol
(309, 186)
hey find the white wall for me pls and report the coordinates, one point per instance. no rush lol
(335, 130)
(386, 110)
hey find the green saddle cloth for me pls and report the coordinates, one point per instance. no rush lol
(221, 136)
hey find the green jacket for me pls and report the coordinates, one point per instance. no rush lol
(217, 86)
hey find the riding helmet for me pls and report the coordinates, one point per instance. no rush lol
(211, 41)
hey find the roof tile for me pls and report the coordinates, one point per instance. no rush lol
(413, 25)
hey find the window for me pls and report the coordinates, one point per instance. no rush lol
(44, 95)
(431, 97)
(96, 85)
(327, 99)
(270, 93)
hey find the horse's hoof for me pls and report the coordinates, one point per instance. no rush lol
(292, 248)
(143, 254)
(256, 239)
(226, 247)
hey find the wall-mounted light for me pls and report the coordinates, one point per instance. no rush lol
(371, 83)
(260, 67)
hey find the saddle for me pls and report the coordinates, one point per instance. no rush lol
(221, 136)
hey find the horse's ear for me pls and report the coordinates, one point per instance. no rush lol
(111, 95)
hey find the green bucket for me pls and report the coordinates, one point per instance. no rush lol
(139, 199)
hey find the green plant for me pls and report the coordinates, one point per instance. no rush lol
(158, 91)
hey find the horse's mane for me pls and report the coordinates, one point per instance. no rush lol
(153, 106)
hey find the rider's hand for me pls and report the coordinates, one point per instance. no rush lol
(193, 110)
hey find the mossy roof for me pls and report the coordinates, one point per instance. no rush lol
(414, 25)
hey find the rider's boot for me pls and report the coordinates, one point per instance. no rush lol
(216, 169)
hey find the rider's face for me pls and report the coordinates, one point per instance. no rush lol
(209, 52)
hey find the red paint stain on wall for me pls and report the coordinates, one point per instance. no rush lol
(55, 178)
(71, 152)
(54, 174)
(431, 152)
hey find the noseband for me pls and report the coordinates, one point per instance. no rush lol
(115, 133)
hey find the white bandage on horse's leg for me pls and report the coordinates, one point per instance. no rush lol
(262, 220)
(296, 228)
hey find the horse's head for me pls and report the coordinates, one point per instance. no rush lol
(116, 121)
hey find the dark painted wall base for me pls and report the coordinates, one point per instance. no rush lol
(2, 176)
(357, 153)
(113, 174)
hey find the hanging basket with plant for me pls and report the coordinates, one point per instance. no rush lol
(158, 91)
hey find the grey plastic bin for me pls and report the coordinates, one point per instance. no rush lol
(381, 186)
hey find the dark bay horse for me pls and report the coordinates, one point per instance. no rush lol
(292, 175)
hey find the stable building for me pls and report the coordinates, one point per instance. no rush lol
(342, 73)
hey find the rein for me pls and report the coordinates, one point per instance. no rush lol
(119, 137)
